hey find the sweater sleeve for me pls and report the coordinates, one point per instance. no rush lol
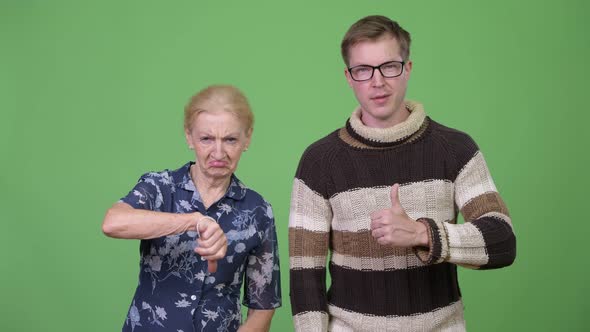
(309, 235)
(486, 240)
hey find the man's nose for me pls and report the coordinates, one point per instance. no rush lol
(377, 80)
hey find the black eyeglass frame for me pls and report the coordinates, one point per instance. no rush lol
(403, 63)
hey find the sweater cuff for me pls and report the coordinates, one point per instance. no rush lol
(311, 321)
(439, 244)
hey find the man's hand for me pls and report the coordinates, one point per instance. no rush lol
(212, 243)
(393, 227)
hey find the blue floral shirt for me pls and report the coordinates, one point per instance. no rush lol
(175, 290)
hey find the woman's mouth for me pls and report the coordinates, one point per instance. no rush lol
(218, 163)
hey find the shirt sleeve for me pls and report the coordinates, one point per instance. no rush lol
(262, 284)
(146, 195)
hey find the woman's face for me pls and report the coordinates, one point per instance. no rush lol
(218, 140)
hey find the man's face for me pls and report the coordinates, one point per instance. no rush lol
(381, 99)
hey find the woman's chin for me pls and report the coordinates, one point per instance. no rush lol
(218, 173)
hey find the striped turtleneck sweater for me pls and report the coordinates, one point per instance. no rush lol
(347, 175)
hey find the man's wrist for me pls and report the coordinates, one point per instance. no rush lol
(422, 238)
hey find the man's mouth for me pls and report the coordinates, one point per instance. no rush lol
(380, 98)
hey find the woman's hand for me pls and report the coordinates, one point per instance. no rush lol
(212, 243)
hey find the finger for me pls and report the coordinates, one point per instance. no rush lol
(376, 224)
(383, 240)
(208, 242)
(207, 251)
(377, 233)
(209, 228)
(212, 266)
(215, 250)
(394, 195)
(377, 215)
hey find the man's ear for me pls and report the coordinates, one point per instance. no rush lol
(348, 78)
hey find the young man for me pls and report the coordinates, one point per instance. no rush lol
(382, 195)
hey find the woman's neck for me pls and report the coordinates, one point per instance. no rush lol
(210, 189)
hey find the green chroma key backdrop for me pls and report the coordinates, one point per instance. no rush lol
(92, 95)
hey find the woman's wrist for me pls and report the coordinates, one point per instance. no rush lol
(193, 220)
(199, 220)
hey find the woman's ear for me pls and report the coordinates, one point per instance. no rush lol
(188, 137)
(248, 138)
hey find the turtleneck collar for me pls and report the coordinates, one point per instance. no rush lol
(387, 137)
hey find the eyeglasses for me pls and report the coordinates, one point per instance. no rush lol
(388, 70)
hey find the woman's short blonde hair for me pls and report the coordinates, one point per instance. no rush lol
(217, 98)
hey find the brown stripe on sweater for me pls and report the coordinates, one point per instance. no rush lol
(360, 251)
(303, 242)
(482, 204)
(306, 282)
(499, 239)
(362, 244)
(387, 263)
(345, 136)
(399, 292)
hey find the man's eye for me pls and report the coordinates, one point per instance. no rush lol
(362, 70)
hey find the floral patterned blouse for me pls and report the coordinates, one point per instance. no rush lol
(175, 291)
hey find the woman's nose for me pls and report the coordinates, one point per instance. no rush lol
(218, 150)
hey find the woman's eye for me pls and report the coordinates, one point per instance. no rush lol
(231, 140)
(205, 139)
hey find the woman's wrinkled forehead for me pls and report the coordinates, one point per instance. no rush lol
(220, 120)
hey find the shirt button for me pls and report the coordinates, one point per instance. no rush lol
(193, 297)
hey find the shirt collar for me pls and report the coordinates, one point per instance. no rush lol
(182, 179)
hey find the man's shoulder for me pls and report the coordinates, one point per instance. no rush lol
(452, 136)
(458, 145)
(319, 149)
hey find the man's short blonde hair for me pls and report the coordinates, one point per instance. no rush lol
(372, 28)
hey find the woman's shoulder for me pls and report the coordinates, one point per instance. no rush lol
(166, 177)
(249, 195)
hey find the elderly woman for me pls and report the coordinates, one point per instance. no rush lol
(203, 232)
